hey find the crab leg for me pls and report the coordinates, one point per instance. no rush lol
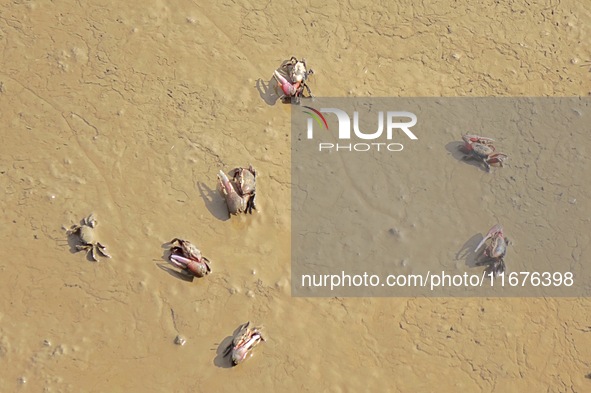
(498, 267)
(493, 231)
(251, 204)
(497, 158)
(291, 62)
(93, 253)
(103, 250)
(309, 91)
(486, 164)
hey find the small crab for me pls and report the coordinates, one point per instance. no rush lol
(481, 148)
(298, 73)
(496, 249)
(245, 181)
(243, 343)
(85, 233)
(188, 257)
(234, 200)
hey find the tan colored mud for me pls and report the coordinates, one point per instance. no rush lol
(128, 109)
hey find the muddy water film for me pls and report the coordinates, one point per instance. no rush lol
(130, 109)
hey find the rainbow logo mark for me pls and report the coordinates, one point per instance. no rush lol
(316, 115)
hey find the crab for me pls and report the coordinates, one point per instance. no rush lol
(298, 74)
(495, 251)
(243, 343)
(188, 258)
(482, 148)
(245, 181)
(85, 233)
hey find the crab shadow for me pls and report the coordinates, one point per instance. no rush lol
(466, 252)
(223, 359)
(474, 259)
(214, 202)
(454, 148)
(489, 271)
(166, 266)
(73, 240)
(268, 91)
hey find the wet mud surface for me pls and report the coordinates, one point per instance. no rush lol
(128, 110)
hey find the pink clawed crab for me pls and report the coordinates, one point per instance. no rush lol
(245, 181)
(481, 148)
(185, 255)
(495, 251)
(297, 75)
(243, 343)
(240, 193)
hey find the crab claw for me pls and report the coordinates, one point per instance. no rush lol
(197, 268)
(288, 88)
(497, 158)
(225, 182)
(239, 354)
(496, 229)
(180, 261)
(471, 138)
(236, 204)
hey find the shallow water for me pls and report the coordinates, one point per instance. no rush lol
(129, 110)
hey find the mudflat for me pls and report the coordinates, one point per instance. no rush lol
(129, 110)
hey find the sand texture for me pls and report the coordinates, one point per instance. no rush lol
(128, 109)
